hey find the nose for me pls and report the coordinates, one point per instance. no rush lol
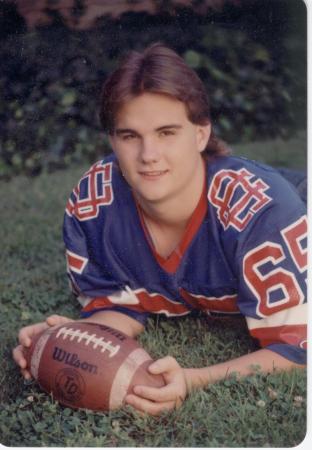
(150, 151)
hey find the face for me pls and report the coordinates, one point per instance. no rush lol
(158, 148)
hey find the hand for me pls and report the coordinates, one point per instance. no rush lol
(153, 400)
(25, 338)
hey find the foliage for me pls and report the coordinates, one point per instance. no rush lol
(50, 81)
(260, 411)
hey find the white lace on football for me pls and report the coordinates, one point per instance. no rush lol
(103, 345)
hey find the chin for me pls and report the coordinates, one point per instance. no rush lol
(151, 197)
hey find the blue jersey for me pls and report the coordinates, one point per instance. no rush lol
(244, 251)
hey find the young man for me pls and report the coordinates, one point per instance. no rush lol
(170, 223)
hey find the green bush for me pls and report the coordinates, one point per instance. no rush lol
(249, 92)
(50, 82)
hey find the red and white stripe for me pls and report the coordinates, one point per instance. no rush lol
(142, 301)
(76, 263)
(223, 304)
(287, 326)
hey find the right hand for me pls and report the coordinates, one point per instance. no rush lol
(25, 339)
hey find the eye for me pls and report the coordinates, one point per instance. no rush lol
(167, 133)
(128, 137)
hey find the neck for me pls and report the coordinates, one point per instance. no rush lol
(175, 211)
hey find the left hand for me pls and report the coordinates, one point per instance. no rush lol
(153, 400)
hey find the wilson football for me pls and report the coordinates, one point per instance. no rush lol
(87, 365)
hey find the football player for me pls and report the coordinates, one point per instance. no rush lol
(170, 223)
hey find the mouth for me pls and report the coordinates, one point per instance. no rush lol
(153, 174)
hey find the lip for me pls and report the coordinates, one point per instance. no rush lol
(153, 174)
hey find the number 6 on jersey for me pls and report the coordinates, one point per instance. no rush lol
(278, 288)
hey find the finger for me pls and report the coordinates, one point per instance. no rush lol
(146, 406)
(163, 394)
(18, 357)
(27, 333)
(20, 360)
(163, 365)
(26, 374)
(55, 319)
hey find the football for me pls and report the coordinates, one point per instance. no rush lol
(88, 365)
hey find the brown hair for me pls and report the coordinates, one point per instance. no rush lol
(158, 70)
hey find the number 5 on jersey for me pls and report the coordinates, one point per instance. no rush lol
(278, 288)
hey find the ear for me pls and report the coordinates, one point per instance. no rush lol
(203, 135)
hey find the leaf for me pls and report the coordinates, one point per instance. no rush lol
(192, 58)
(68, 98)
(261, 54)
(25, 315)
(225, 123)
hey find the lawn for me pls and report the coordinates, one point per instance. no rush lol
(260, 411)
(291, 153)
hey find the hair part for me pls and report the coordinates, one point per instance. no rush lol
(158, 70)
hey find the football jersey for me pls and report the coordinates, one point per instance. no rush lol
(244, 251)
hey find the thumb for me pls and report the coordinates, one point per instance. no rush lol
(56, 320)
(163, 365)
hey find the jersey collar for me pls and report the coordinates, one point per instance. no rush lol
(171, 264)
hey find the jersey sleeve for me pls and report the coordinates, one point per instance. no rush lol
(93, 284)
(264, 235)
(272, 264)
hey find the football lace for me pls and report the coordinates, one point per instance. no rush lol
(86, 338)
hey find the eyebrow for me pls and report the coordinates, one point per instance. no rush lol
(120, 131)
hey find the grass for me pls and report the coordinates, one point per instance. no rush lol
(278, 153)
(260, 411)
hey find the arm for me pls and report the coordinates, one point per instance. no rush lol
(283, 332)
(268, 256)
(114, 319)
(97, 288)
(181, 382)
(264, 360)
(280, 330)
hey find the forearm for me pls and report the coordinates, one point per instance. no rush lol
(264, 360)
(117, 320)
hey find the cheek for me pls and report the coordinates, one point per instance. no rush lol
(125, 157)
(128, 167)
(188, 151)
(188, 144)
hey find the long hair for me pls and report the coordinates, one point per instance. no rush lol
(158, 70)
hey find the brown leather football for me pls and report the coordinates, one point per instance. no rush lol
(88, 365)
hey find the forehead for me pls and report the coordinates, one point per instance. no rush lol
(153, 110)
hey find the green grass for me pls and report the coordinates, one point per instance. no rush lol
(261, 411)
(291, 153)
